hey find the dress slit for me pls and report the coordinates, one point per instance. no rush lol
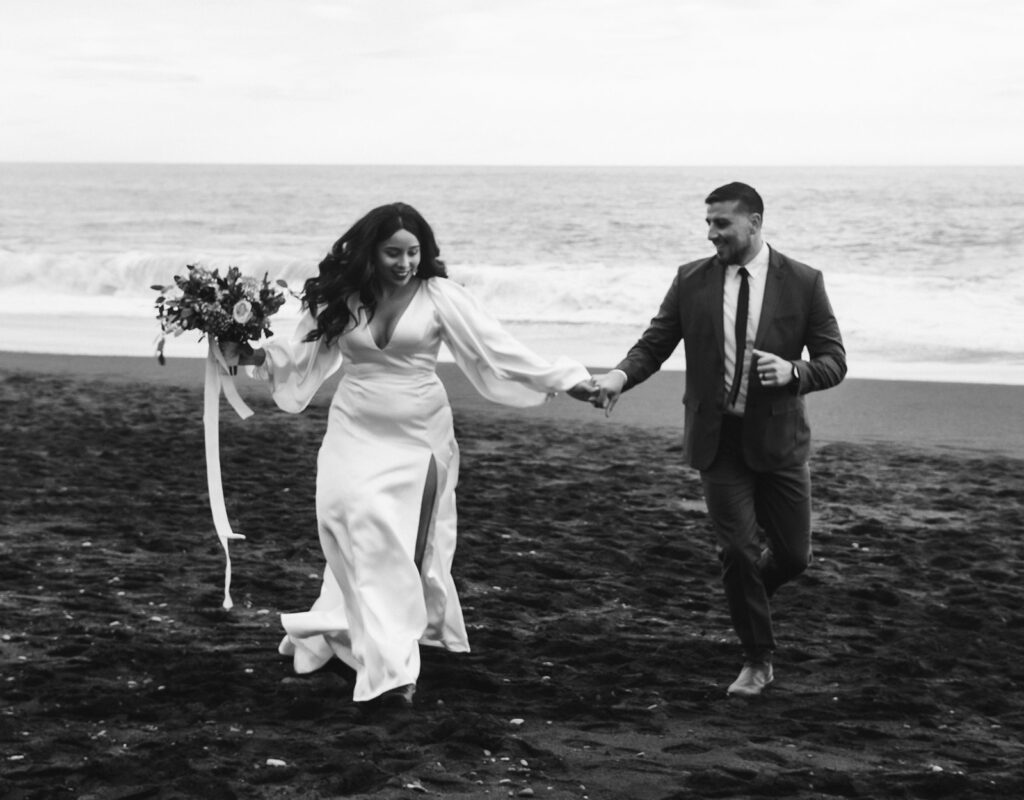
(427, 506)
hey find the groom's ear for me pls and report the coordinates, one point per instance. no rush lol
(755, 220)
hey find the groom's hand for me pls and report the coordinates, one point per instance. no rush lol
(609, 387)
(773, 370)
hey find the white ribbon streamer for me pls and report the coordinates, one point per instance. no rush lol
(218, 378)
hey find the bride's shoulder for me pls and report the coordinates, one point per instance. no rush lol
(446, 288)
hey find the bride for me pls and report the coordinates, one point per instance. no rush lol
(387, 469)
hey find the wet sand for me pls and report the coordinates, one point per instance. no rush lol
(601, 646)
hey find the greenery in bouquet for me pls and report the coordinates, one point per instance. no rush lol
(230, 307)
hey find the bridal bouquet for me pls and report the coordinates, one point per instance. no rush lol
(230, 307)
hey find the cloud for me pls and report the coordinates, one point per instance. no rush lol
(144, 69)
(530, 81)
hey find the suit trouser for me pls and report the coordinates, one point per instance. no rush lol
(739, 501)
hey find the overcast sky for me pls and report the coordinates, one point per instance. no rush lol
(672, 82)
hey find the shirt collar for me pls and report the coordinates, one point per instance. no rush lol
(758, 265)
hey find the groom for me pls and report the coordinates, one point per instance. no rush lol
(745, 317)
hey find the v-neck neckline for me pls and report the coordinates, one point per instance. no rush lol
(398, 321)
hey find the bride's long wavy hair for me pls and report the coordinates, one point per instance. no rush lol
(350, 270)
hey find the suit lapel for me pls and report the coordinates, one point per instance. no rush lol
(712, 299)
(773, 283)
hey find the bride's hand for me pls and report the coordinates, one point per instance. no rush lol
(240, 354)
(232, 352)
(585, 390)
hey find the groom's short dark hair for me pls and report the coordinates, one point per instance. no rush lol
(745, 196)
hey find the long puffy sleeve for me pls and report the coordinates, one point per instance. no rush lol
(296, 369)
(500, 367)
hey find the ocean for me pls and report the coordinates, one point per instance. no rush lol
(924, 266)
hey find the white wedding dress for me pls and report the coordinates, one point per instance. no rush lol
(387, 585)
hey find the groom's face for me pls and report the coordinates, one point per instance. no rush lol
(734, 233)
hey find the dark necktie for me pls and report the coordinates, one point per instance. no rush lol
(742, 309)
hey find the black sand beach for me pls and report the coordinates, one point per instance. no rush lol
(601, 646)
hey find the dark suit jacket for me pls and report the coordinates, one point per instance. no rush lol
(796, 314)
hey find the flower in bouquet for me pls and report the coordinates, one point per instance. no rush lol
(242, 312)
(230, 307)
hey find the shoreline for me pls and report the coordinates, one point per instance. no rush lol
(952, 417)
(127, 329)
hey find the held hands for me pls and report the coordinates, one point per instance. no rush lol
(584, 390)
(773, 370)
(601, 391)
(609, 388)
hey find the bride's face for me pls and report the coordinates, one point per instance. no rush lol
(398, 258)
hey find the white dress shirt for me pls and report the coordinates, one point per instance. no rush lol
(758, 269)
